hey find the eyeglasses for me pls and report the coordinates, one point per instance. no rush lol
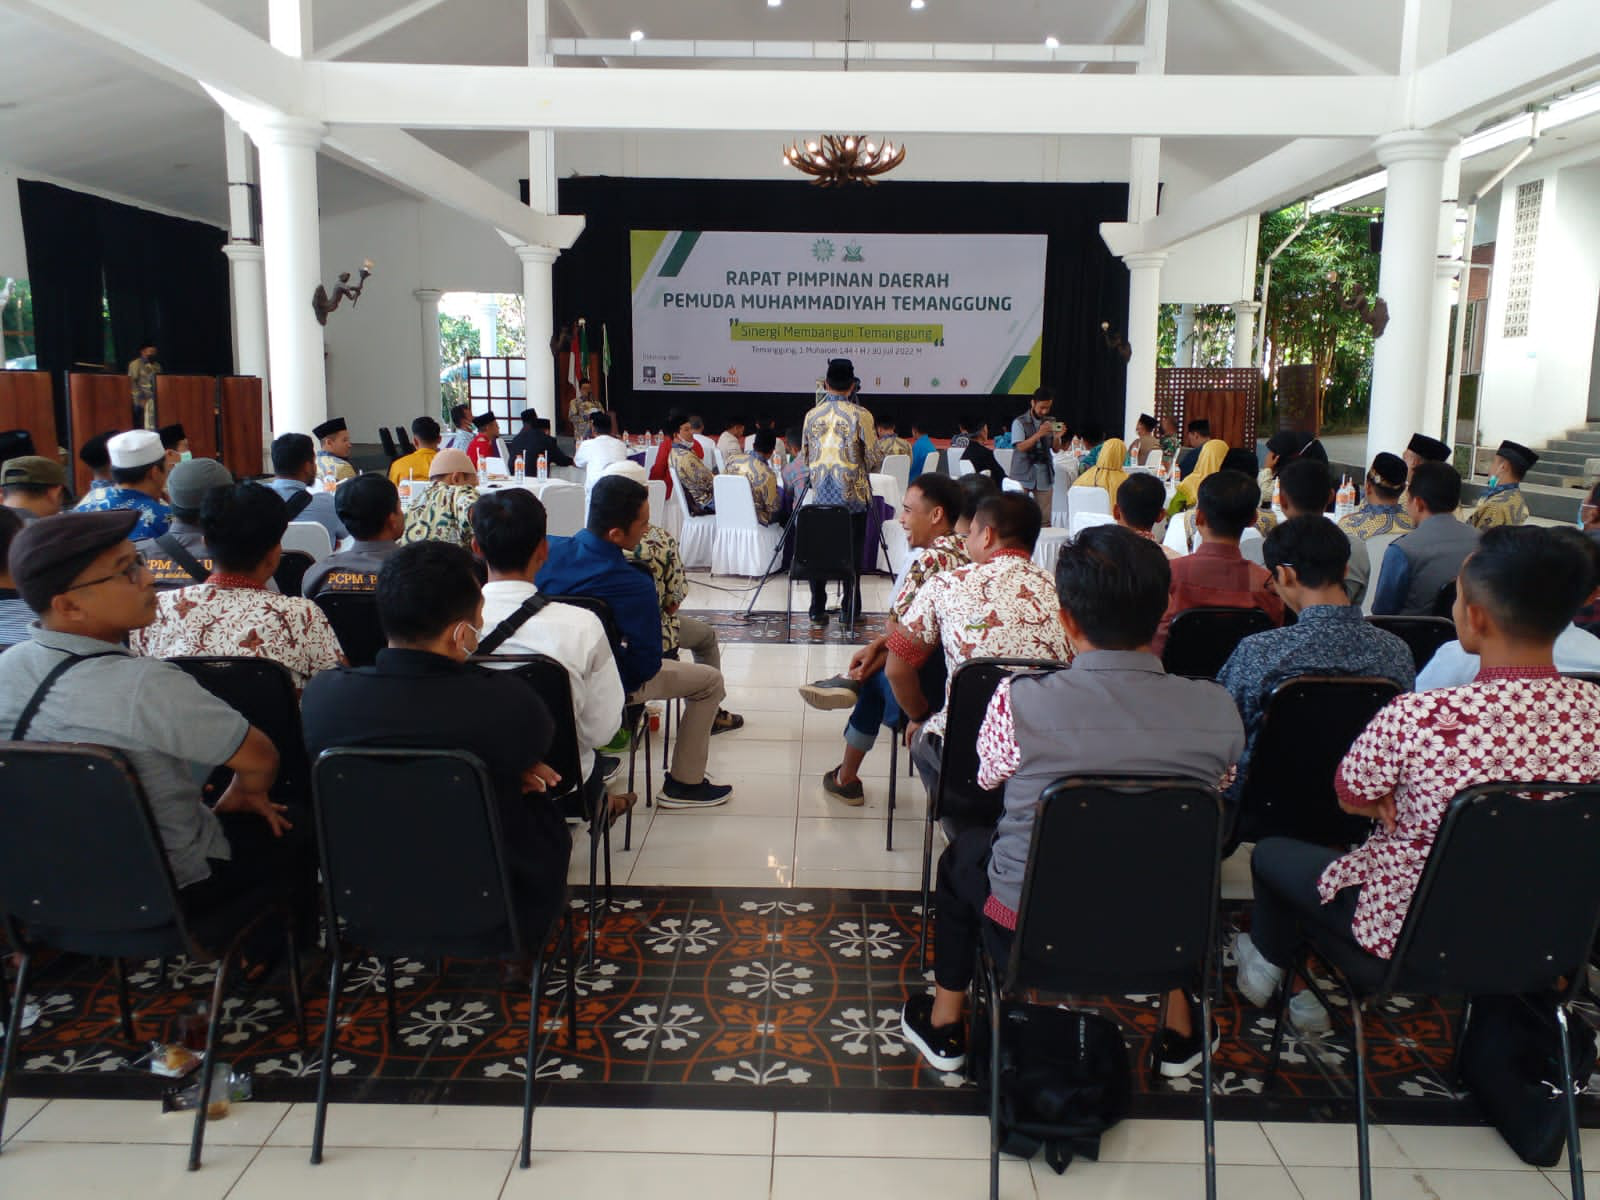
(131, 573)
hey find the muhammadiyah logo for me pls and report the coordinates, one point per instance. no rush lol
(667, 377)
(822, 250)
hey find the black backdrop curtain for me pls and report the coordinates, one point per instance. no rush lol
(164, 279)
(1084, 283)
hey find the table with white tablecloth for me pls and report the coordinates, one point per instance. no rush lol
(1048, 548)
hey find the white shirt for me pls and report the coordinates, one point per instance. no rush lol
(709, 447)
(1451, 666)
(595, 454)
(457, 439)
(575, 639)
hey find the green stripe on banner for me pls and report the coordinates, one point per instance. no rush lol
(1021, 376)
(642, 247)
(680, 252)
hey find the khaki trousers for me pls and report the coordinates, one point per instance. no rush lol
(701, 689)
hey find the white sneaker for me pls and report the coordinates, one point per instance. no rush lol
(1307, 1014)
(1258, 979)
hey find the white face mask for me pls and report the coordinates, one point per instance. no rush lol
(1583, 507)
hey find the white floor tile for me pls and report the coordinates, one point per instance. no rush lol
(819, 754)
(1302, 1144)
(733, 755)
(795, 1178)
(577, 1176)
(893, 881)
(143, 1121)
(375, 1174)
(400, 1126)
(881, 1135)
(908, 804)
(756, 697)
(63, 1171)
(842, 843)
(19, 1112)
(1461, 1147)
(1562, 1181)
(1149, 1181)
(755, 794)
(762, 725)
(1416, 1183)
(645, 875)
(652, 1130)
(718, 839)
(1145, 1141)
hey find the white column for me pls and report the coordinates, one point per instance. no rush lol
(539, 303)
(291, 237)
(1244, 332)
(428, 298)
(485, 320)
(1144, 320)
(1415, 162)
(1446, 269)
(1183, 337)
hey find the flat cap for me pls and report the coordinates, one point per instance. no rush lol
(135, 448)
(51, 552)
(188, 482)
(33, 468)
(330, 427)
(1429, 449)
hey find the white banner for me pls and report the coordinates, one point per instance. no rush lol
(764, 312)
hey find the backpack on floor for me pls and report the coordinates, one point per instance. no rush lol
(1509, 1058)
(1064, 1080)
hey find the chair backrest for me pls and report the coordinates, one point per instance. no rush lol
(964, 468)
(679, 499)
(292, 568)
(957, 796)
(354, 617)
(1153, 459)
(608, 619)
(1088, 499)
(749, 442)
(1444, 604)
(1253, 547)
(402, 439)
(1377, 546)
(412, 858)
(550, 679)
(81, 863)
(1422, 635)
(1003, 456)
(308, 537)
(1309, 724)
(735, 502)
(389, 446)
(899, 466)
(822, 543)
(1093, 837)
(1509, 898)
(1087, 520)
(1199, 640)
(564, 509)
(658, 499)
(263, 692)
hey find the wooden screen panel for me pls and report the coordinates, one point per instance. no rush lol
(95, 404)
(240, 424)
(1174, 386)
(26, 403)
(1299, 407)
(190, 401)
(1226, 412)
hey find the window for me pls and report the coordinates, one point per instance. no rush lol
(1524, 243)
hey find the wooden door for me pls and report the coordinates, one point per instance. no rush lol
(26, 403)
(1227, 410)
(95, 404)
(240, 422)
(190, 401)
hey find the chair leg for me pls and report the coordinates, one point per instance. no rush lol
(1285, 990)
(927, 874)
(1574, 1144)
(388, 998)
(991, 988)
(596, 824)
(572, 983)
(218, 991)
(296, 992)
(8, 1058)
(532, 1060)
(1205, 1083)
(325, 1069)
(894, 757)
(1363, 1146)
(124, 1002)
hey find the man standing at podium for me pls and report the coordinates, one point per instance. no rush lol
(142, 373)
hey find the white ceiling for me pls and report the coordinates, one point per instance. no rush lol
(106, 122)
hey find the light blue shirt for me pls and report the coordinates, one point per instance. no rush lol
(320, 509)
(1576, 650)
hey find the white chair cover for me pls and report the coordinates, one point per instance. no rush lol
(658, 502)
(308, 537)
(1377, 547)
(1178, 531)
(742, 545)
(1153, 459)
(1003, 457)
(1083, 520)
(898, 465)
(1080, 500)
(1252, 545)
(899, 547)
(964, 468)
(564, 506)
(749, 442)
(696, 535)
(1011, 485)
(1048, 548)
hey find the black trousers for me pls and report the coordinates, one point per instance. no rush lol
(819, 587)
(959, 897)
(1287, 903)
(273, 868)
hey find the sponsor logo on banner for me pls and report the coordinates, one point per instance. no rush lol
(963, 383)
(672, 380)
(853, 253)
(650, 373)
(822, 250)
(934, 382)
(906, 382)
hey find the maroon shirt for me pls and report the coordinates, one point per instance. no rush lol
(1216, 575)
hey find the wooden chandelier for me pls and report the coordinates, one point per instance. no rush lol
(838, 159)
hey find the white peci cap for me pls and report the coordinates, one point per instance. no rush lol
(136, 448)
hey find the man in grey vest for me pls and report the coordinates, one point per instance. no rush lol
(1417, 566)
(1033, 444)
(1114, 711)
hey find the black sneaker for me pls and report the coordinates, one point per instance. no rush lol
(945, 1046)
(704, 794)
(819, 620)
(1177, 1056)
(826, 694)
(608, 767)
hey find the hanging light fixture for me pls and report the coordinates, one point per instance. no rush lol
(837, 159)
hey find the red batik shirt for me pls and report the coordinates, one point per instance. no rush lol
(1509, 725)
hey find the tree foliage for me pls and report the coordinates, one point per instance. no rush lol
(1212, 336)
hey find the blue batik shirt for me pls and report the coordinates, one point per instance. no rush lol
(155, 518)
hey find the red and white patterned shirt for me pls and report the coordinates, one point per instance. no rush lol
(1509, 725)
(226, 615)
(945, 553)
(1004, 608)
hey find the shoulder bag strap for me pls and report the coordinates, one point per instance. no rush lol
(176, 551)
(298, 503)
(499, 635)
(19, 732)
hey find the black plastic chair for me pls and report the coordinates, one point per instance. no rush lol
(263, 692)
(825, 549)
(933, 676)
(1444, 604)
(1309, 725)
(83, 870)
(1508, 903)
(439, 888)
(402, 440)
(957, 801)
(292, 568)
(1092, 836)
(1200, 640)
(354, 617)
(1422, 635)
(389, 446)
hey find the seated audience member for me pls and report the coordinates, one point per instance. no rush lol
(889, 442)
(598, 451)
(1000, 605)
(34, 486)
(975, 489)
(232, 613)
(1283, 448)
(1588, 617)
(1503, 503)
(369, 506)
(176, 443)
(1418, 565)
(333, 450)
(1306, 488)
(1196, 435)
(1207, 463)
(1381, 511)
(462, 430)
(294, 470)
(1307, 556)
(973, 439)
(1145, 442)
(1138, 506)
(1109, 472)
(1517, 721)
(15, 615)
(83, 577)
(138, 477)
(796, 475)
(1216, 574)
(732, 440)
(1421, 449)
(94, 455)
(674, 430)
(1245, 462)
(928, 514)
(1113, 587)
(1171, 439)
(425, 433)
(697, 426)
(593, 563)
(508, 533)
(485, 443)
(757, 468)
(1576, 650)
(180, 557)
(423, 694)
(444, 513)
(534, 440)
(922, 449)
(693, 474)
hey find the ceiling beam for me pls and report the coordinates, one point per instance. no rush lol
(1321, 46)
(461, 97)
(1116, 20)
(339, 47)
(832, 51)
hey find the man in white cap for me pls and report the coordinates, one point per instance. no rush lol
(138, 475)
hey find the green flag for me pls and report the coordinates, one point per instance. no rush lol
(605, 351)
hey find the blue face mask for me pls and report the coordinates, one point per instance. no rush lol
(185, 456)
(1494, 484)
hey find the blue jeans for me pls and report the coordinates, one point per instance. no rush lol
(875, 706)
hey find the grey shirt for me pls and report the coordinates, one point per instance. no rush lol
(151, 711)
(320, 509)
(1359, 573)
(356, 569)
